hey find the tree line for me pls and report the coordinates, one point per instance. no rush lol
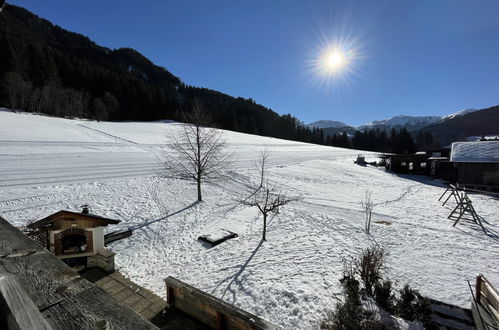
(46, 69)
(396, 141)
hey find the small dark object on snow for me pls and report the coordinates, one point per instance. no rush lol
(361, 160)
(217, 238)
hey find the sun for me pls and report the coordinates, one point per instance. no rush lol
(335, 61)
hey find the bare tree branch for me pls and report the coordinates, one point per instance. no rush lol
(368, 206)
(266, 197)
(199, 152)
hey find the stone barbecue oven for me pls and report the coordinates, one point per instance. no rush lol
(73, 240)
(77, 238)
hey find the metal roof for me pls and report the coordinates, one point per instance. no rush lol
(475, 152)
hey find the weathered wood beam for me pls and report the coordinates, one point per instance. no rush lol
(18, 309)
(66, 300)
(210, 310)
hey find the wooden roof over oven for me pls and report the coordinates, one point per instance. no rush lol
(47, 221)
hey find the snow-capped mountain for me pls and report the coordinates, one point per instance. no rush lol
(459, 113)
(411, 123)
(327, 124)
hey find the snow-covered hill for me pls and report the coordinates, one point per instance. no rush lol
(327, 124)
(48, 164)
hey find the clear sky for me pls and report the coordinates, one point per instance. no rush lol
(425, 57)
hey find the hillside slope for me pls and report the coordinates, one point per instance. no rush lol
(46, 69)
(293, 277)
(476, 123)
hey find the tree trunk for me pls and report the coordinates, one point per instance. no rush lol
(264, 227)
(199, 189)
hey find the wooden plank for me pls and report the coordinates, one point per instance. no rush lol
(66, 300)
(210, 310)
(19, 309)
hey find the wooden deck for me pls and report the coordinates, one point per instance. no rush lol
(140, 300)
(37, 286)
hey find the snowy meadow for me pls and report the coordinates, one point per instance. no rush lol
(48, 164)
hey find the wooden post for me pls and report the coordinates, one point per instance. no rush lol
(446, 190)
(169, 296)
(478, 288)
(220, 317)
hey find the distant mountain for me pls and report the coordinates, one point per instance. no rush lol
(472, 123)
(326, 124)
(459, 113)
(411, 123)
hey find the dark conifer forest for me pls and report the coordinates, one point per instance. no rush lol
(46, 69)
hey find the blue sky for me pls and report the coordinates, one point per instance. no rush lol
(422, 57)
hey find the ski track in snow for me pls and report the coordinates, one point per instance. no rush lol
(292, 278)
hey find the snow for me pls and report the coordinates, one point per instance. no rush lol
(48, 164)
(475, 152)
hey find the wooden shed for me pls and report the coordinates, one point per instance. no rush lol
(77, 238)
(477, 164)
(407, 163)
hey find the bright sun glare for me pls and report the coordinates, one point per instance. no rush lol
(335, 61)
(336, 58)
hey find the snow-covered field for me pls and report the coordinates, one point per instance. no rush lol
(48, 164)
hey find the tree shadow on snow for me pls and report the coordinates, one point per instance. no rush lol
(237, 278)
(165, 217)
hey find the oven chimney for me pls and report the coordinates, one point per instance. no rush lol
(84, 209)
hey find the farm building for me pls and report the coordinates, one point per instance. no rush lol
(476, 163)
(76, 238)
(406, 163)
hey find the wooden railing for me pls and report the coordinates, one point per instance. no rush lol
(487, 296)
(39, 291)
(18, 311)
(215, 313)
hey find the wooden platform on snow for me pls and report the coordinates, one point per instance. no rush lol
(217, 237)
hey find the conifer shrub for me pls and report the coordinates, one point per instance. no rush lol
(384, 296)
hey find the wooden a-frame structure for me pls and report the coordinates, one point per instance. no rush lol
(465, 210)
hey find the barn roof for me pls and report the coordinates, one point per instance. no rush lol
(53, 217)
(475, 152)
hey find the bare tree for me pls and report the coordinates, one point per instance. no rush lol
(198, 152)
(368, 206)
(266, 198)
(261, 164)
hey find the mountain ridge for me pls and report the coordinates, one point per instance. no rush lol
(398, 121)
